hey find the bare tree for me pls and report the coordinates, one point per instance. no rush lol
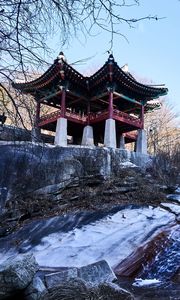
(162, 127)
(27, 25)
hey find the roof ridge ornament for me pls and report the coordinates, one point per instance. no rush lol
(61, 57)
(111, 57)
(125, 68)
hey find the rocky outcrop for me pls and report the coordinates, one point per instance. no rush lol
(94, 274)
(29, 170)
(107, 291)
(74, 288)
(12, 133)
(36, 290)
(16, 274)
(38, 180)
(97, 273)
(89, 282)
(78, 289)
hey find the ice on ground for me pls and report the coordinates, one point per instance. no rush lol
(175, 208)
(112, 238)
(174, 197)
(143, 282)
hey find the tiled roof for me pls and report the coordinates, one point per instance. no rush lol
(110, 72)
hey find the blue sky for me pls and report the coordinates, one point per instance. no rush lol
(153, 50)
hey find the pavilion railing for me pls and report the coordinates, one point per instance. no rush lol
(128, 117)
(83, 118)
(51, 117)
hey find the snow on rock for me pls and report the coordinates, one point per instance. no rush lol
(143, 282)
(174, 197)
(128, 164)
(112, 238)
(173, 207)
(177, 190)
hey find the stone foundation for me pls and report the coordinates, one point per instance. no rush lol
(61, 132)
(141, 143)
(88, 139)
(110, 134)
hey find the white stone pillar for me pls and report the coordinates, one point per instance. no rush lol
(122, 142)
(61, 132)
(88, 139)
(141, 143)
(110, 133)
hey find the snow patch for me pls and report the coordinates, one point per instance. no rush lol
(127, 164)
(175, 208)
(174, 197)
(112, 238)
(144, 282)
(177, 190)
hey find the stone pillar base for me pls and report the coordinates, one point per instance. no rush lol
(88, 139)
(141, 143)
(122, 142)
(110, 133)
(36, 134)
(61, 132)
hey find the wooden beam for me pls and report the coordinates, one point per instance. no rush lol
(127, 98)
(56, 93)
(99, 96)
(75, 101)
(51, 105)
(77, 95)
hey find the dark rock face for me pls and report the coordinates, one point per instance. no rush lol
(97, 273)
(57, 278)
(107, 291)
(93, 274)
(11, 133)
(16, 274)
(19, 278)
(28, 168)
(36, 290)
(78, 289)
(74, 288)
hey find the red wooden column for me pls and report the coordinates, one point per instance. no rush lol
(110, 108)
(88, 112)
(37, 115)
(63, 103)
(61, 126)
(142, 115)
(111, 65)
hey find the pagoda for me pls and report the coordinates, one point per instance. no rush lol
(105, 108)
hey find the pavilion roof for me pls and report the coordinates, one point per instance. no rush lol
(110, 74)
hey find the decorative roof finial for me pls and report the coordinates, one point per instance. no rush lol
(111, 57)
(61, 57)
(125, 68)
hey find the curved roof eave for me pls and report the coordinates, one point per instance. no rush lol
(120, 76)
